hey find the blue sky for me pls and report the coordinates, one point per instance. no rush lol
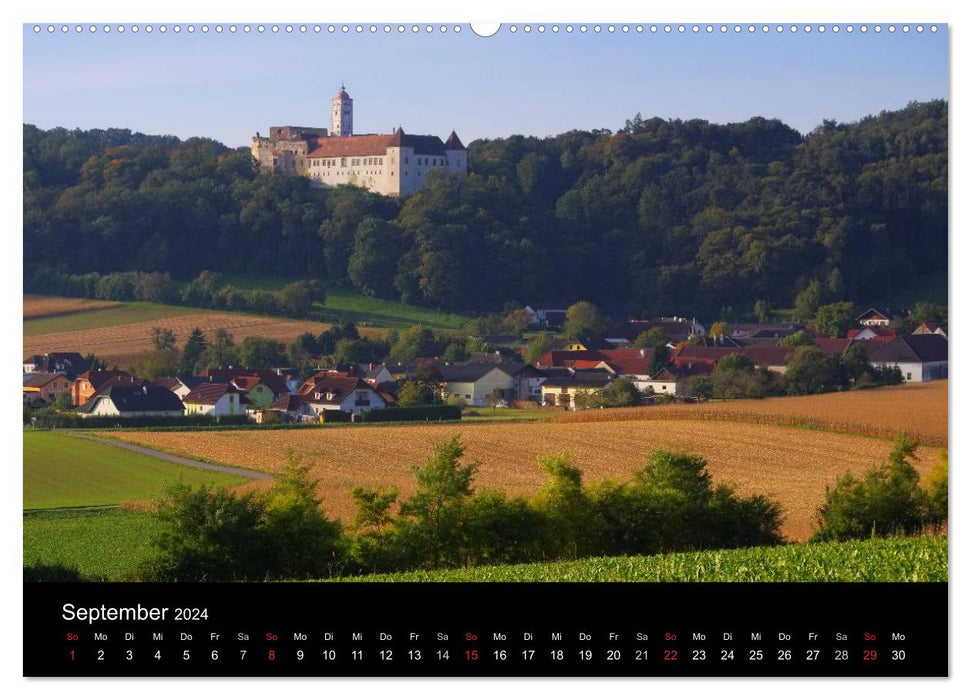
(228, 86)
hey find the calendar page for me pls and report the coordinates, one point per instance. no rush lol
(546, 349)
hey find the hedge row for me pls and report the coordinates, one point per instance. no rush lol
(413, 413)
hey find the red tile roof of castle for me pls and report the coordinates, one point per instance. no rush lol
(376, 145)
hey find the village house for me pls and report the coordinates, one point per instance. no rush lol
(45, 387)
(874, 317)
(883, 334)
(929, 328)
(676, 328)
(920, 358)
(258, 394)
(70, 363)
(775, 359)
(551, 314)
(180, 386)
(563, 384)
(131, 400)
(92, 381)
(332, 393)
(215, 399)
(665, 382)
(478, 384)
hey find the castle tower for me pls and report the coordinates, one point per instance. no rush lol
(342, 114)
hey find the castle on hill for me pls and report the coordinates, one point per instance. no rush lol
(391, 164)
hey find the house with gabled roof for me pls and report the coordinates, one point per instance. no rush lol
(70, 363)
(775, 359)
(928, 328)
(92, 381)
(563, 384)
(131, 400)
(180, 385)
(478, 384)
(550, 313)
(920, 358)
(272, 380)
(215, 399)
(875, 332)
(664, 381)
(44, 387)
(333, 393)
(874, 317)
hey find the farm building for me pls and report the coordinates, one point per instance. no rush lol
(133, 400)
(920, 358)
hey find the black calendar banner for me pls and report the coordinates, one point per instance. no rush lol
(546, 630)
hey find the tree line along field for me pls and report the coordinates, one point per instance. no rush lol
(918, 409)
(911, 559)
(790, 465)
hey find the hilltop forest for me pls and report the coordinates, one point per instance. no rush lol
(661, 216)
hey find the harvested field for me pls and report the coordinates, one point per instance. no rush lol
(40, 306)
(791, 465)
(920, 410)
(121, 344)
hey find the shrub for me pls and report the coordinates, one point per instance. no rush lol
(887, 500)
(412, 413)
(208, 534)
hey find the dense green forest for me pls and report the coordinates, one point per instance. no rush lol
(661, 217)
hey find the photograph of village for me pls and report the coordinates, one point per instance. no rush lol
(573, 324)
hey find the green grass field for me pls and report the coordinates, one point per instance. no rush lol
(67, 471)
(879, 560)
(124, 312)
(343, 304)
(480, 415)
(102, 544)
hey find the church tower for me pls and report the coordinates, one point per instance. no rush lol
(342, 114)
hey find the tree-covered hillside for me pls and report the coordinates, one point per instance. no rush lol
(673, 217)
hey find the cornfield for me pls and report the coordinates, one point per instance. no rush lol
(917, 559)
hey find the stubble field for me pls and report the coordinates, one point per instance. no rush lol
(920, 410)
(121, 344)
(41, 306)
(791, 465)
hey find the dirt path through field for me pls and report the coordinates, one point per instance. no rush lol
(167, 457)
